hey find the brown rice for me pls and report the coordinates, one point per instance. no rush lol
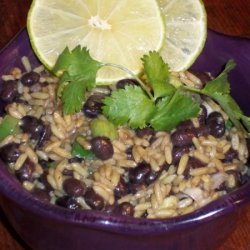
(179, 189)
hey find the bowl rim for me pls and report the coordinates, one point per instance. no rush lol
(11, 189)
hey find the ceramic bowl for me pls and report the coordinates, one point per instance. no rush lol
(44, 226)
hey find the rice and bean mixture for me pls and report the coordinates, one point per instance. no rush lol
(140, 173)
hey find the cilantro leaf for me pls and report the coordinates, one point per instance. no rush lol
(219, 90)
(63, 81)
(129, 105)
(80, 152)
(220, 84)
(157, 74)
(229, 105)
(73, 96)
(172, 111)
(78, 62)
(78, 73)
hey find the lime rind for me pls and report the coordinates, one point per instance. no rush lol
(32, 41)
(172, 51)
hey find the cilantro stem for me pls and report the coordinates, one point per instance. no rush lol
(144, 87)
(198, 91)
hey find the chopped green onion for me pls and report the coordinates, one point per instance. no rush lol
(229, 124)
(51, 164)
(103, 127)
(80, 152)
(9, 126)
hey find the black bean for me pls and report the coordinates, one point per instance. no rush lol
(30, 78)
(102, 147)
(178, 152)
(120, 189)
(188, 124)
(94, 200)
(244, 178)
(33, 126)
(125, 82)
(9, 153)
(145, 215)
(43, 179)
(41, 195)
(45, 164)
(44, 136)
(25, 172)
(145, 132)
(230, 155)
(182, 137)
(193, 163)
(75, 160)
(67, 202)
(164, 166)
(68, 172)
(124, 208)
(129, 153)
(202, 131)
(109, 209)
(136, 187)
(93, 106)
(74, 187)
(138, 174)
(202, 115)
(2, 108)
(9, 93)
(152, 139)
(216, 124)
(152, 176)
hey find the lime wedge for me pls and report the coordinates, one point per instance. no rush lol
(186, 31)
(118, 32)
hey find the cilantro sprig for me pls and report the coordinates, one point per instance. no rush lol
(155, 102)
(163, 109)
(77, 70)
(219, 90)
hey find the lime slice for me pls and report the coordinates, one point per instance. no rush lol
(186, 31)
(118, 32)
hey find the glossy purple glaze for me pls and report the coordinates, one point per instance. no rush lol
(43, 226)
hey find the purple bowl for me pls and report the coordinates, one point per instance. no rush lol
(43, 226)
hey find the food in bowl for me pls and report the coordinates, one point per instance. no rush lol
(84, 160)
